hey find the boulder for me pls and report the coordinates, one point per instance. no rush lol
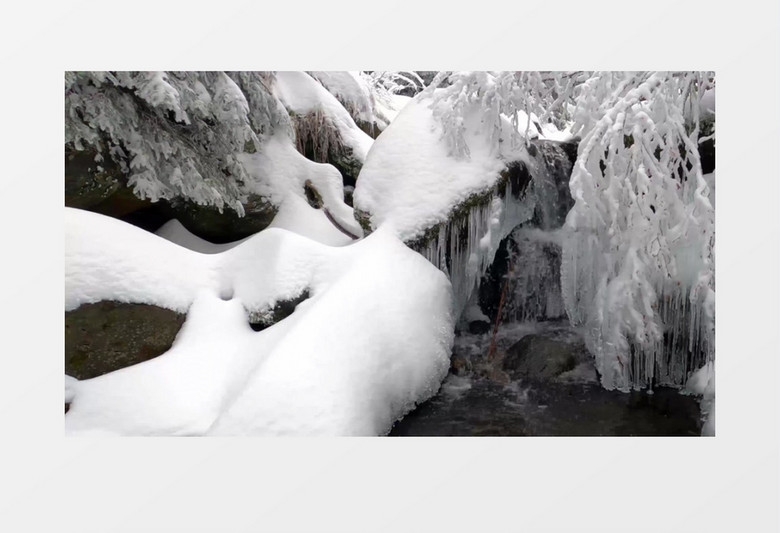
(208, 223)
(541, 358)
(106, 336)
(102, 187)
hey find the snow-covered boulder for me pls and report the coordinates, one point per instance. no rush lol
(372, 340)
(454, 208)
(214, 150)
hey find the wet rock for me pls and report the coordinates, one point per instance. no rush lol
(538, 357)
(106, 336)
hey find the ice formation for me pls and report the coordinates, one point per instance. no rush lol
(702, 383)
(638, 258)
(454, 174)
(637, 249)
(455, 210)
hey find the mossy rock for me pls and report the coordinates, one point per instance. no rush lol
(106, 336)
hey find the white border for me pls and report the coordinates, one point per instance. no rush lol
(726, 483)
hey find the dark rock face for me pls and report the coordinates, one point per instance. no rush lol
(208, 223)
(102, 188)
(492, 282)
(540, 358)
(518, 176)
(479, 327)
(369, 128)
(556, 160)
(106, 336)
(707, 148)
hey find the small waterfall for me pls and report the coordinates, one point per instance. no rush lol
(534, 279)
(528, 261)
(529, 195)
(510, 241)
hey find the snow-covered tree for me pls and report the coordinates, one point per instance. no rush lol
(638, 267)
(174, 134)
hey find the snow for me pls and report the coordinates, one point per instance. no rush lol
(302, 95)
(702, 383)
(550, 132)
(107, 259)
(352, 359)
(707, 103)
(387, 107)
(350, 89)
(297, 216)
(410, 181)
(278, 172)
(638, 258)
(361, 353)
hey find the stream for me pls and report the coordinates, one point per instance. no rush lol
(479, 398)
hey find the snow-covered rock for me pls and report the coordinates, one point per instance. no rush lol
(453, 208)
(324, 129)
(214, 150)
(371, 341)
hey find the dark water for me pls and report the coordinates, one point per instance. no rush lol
(477, 404)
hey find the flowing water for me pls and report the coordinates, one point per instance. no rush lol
(478, 398)
(519, 284)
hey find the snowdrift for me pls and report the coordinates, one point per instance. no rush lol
(372, 339)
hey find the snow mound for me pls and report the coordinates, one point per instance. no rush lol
(410, 180)
(352, 359)
(297, 216)
(107, 259)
